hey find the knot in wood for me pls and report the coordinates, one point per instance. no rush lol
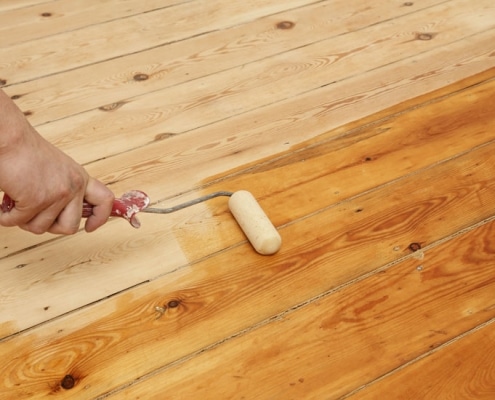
(68, 382)
(173, 303)
(424, 36)
(141, 77)
(112, 107)
(285, 25)
(415, 246)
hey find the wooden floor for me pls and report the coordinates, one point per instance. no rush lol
(364, 129)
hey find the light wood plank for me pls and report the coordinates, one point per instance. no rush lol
(54, 17)
(236, 289)
(74, 49)
(6, 5)
(349, 338)
(111, 82)
(463, 369)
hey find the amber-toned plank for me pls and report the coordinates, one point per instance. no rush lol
(288, 188)
(54, 17)
(103, 84)
(463, 369)
(233, 290)
(346, 339)
(96, 43)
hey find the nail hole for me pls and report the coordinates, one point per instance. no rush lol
(3, 81)
(46, 14)
(408, 3)
(16, 96)
(28, 113)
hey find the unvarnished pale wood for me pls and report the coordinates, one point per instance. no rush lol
(112, 81)
(53, 17)
(364, 130)
(15, 4)
(82, 47)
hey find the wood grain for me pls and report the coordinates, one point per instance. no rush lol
(74, 49)
(461, 369)
(112, 82)
(327, 250)
(345, 339)
(56, 17)
(308, 183)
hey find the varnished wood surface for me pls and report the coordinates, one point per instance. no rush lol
(364, 130)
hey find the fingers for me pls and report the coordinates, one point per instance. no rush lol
(101, 198)
(54, 219)
(68, 220)
(61, 218)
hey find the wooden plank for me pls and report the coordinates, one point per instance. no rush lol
(346, 339)
(6, 5)
(205, 230)
(76, 91)
(237, 289)
(463, 369)
(19, 25)
(74, 49)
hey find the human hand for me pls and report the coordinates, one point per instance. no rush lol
(48, 187)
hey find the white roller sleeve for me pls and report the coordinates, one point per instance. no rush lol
(255, 224)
